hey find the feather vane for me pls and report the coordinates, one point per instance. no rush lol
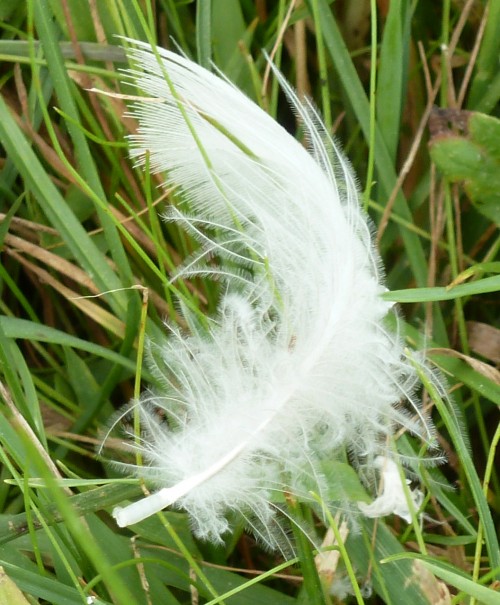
(298, 364)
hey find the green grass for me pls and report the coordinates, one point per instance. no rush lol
(79, 229)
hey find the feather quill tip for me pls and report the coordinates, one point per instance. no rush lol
(142, 509)
(154, 503)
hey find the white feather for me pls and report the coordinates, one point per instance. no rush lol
(298, 364)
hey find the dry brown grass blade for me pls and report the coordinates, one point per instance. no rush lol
(90, 309)
(56, 262)
(73, 272)
(436, 591)
(28, 228)
(278, 42)
(479, 366)
(138, 234)
(46, 151)
(114, 99)
(68, 269)
(327, 562)
(86, 78)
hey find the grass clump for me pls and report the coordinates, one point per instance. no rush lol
(80, 232)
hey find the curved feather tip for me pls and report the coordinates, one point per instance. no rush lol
(299, 365)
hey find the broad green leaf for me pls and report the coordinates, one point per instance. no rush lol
(395, 582)
(473, 158)
(343, 483)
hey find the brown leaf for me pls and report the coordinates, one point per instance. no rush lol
(484, 340)
(436, 591)
(327, 561)
(448, 122)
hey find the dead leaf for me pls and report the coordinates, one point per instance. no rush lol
(326, 562)
(484, 340)
(436, 591)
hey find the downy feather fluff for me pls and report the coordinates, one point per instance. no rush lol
(298, 364)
